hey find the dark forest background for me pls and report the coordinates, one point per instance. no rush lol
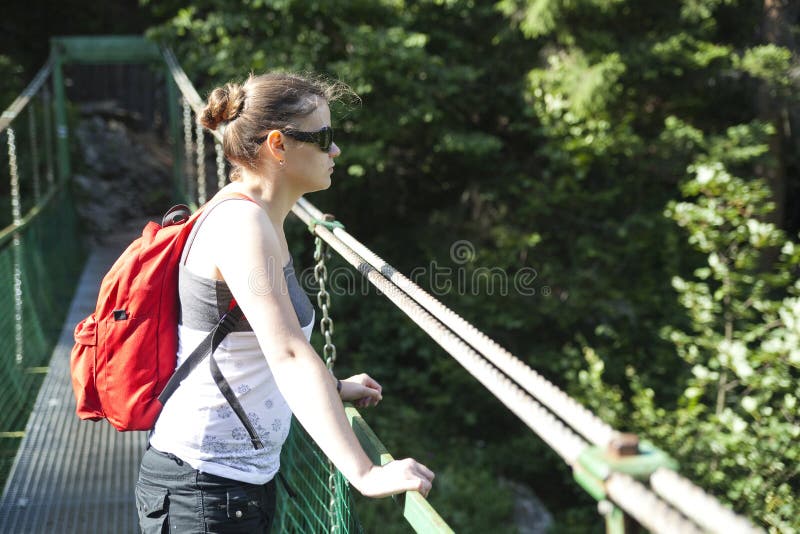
(641, 158)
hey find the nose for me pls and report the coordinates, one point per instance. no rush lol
(334, 151)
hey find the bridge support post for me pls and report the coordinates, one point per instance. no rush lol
(60, 105)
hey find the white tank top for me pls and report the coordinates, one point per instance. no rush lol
(197, 424)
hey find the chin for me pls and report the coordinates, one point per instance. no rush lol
(321, 185)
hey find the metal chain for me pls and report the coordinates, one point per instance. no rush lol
(37, 190)
(321, 254)
(201, 163)
(16, 203)
(16, 214)
(187, 148)
(221, 178)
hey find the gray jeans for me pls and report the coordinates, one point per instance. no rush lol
(173, 497)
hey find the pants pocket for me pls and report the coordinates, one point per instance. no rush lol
(236, 509)
(152, 505)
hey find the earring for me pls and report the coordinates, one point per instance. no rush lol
(282, 162)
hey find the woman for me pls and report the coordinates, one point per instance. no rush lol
(201, 472)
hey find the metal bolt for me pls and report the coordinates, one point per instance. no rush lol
(238, 514)
(624, 445)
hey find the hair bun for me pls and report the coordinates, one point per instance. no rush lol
(224, 105)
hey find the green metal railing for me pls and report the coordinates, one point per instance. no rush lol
(41, 255)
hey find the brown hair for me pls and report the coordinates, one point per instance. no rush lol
(266, 102)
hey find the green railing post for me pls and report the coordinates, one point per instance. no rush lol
(60, 104)
(628, 455)
(175, 133)
(416, 509)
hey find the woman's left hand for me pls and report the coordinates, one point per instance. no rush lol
(362, 390)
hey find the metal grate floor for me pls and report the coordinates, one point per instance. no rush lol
(72, 476)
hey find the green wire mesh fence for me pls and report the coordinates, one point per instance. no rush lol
(41, 255)
(50, 256)
(306, 501)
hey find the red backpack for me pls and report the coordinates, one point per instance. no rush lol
(123, 361)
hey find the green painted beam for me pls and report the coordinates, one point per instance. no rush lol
(600, 464)
(60, 108)
(106, 49)
(416, 509)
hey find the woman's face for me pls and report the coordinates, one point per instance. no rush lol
(306, 164)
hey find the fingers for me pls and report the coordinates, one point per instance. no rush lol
(427, 473)
(371, 383)
(396, 477)
(421, 477)
(370, 397)
(367, 381)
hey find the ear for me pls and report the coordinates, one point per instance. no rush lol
(275, 146)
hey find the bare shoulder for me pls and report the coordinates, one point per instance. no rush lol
(234, 233)
(242, 225)
(237, 214)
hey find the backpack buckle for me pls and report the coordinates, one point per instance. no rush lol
(178, 214)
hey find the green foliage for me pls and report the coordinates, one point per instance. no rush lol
(768, 62)
(742, 346)
(628, 96)
(607, 148)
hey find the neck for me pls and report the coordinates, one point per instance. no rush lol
(270, 193)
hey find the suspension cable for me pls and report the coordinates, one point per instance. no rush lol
(22, 100)
(220, 161)
(565, 442)
(187, 150)
(201, 162)
(632, 496)
(16, 215)
(627, 491)
(702, 508)
(578, 417)
(647, 509)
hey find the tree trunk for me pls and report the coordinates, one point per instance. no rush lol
(778, 16)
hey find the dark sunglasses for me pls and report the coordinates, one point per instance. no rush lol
(322, 138)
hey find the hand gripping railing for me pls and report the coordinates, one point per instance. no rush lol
(536, 401)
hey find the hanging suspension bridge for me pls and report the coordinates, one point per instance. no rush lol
(66, 476)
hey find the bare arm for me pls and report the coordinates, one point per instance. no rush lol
(248, 256)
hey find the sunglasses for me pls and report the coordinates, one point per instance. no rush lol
(323, 138)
